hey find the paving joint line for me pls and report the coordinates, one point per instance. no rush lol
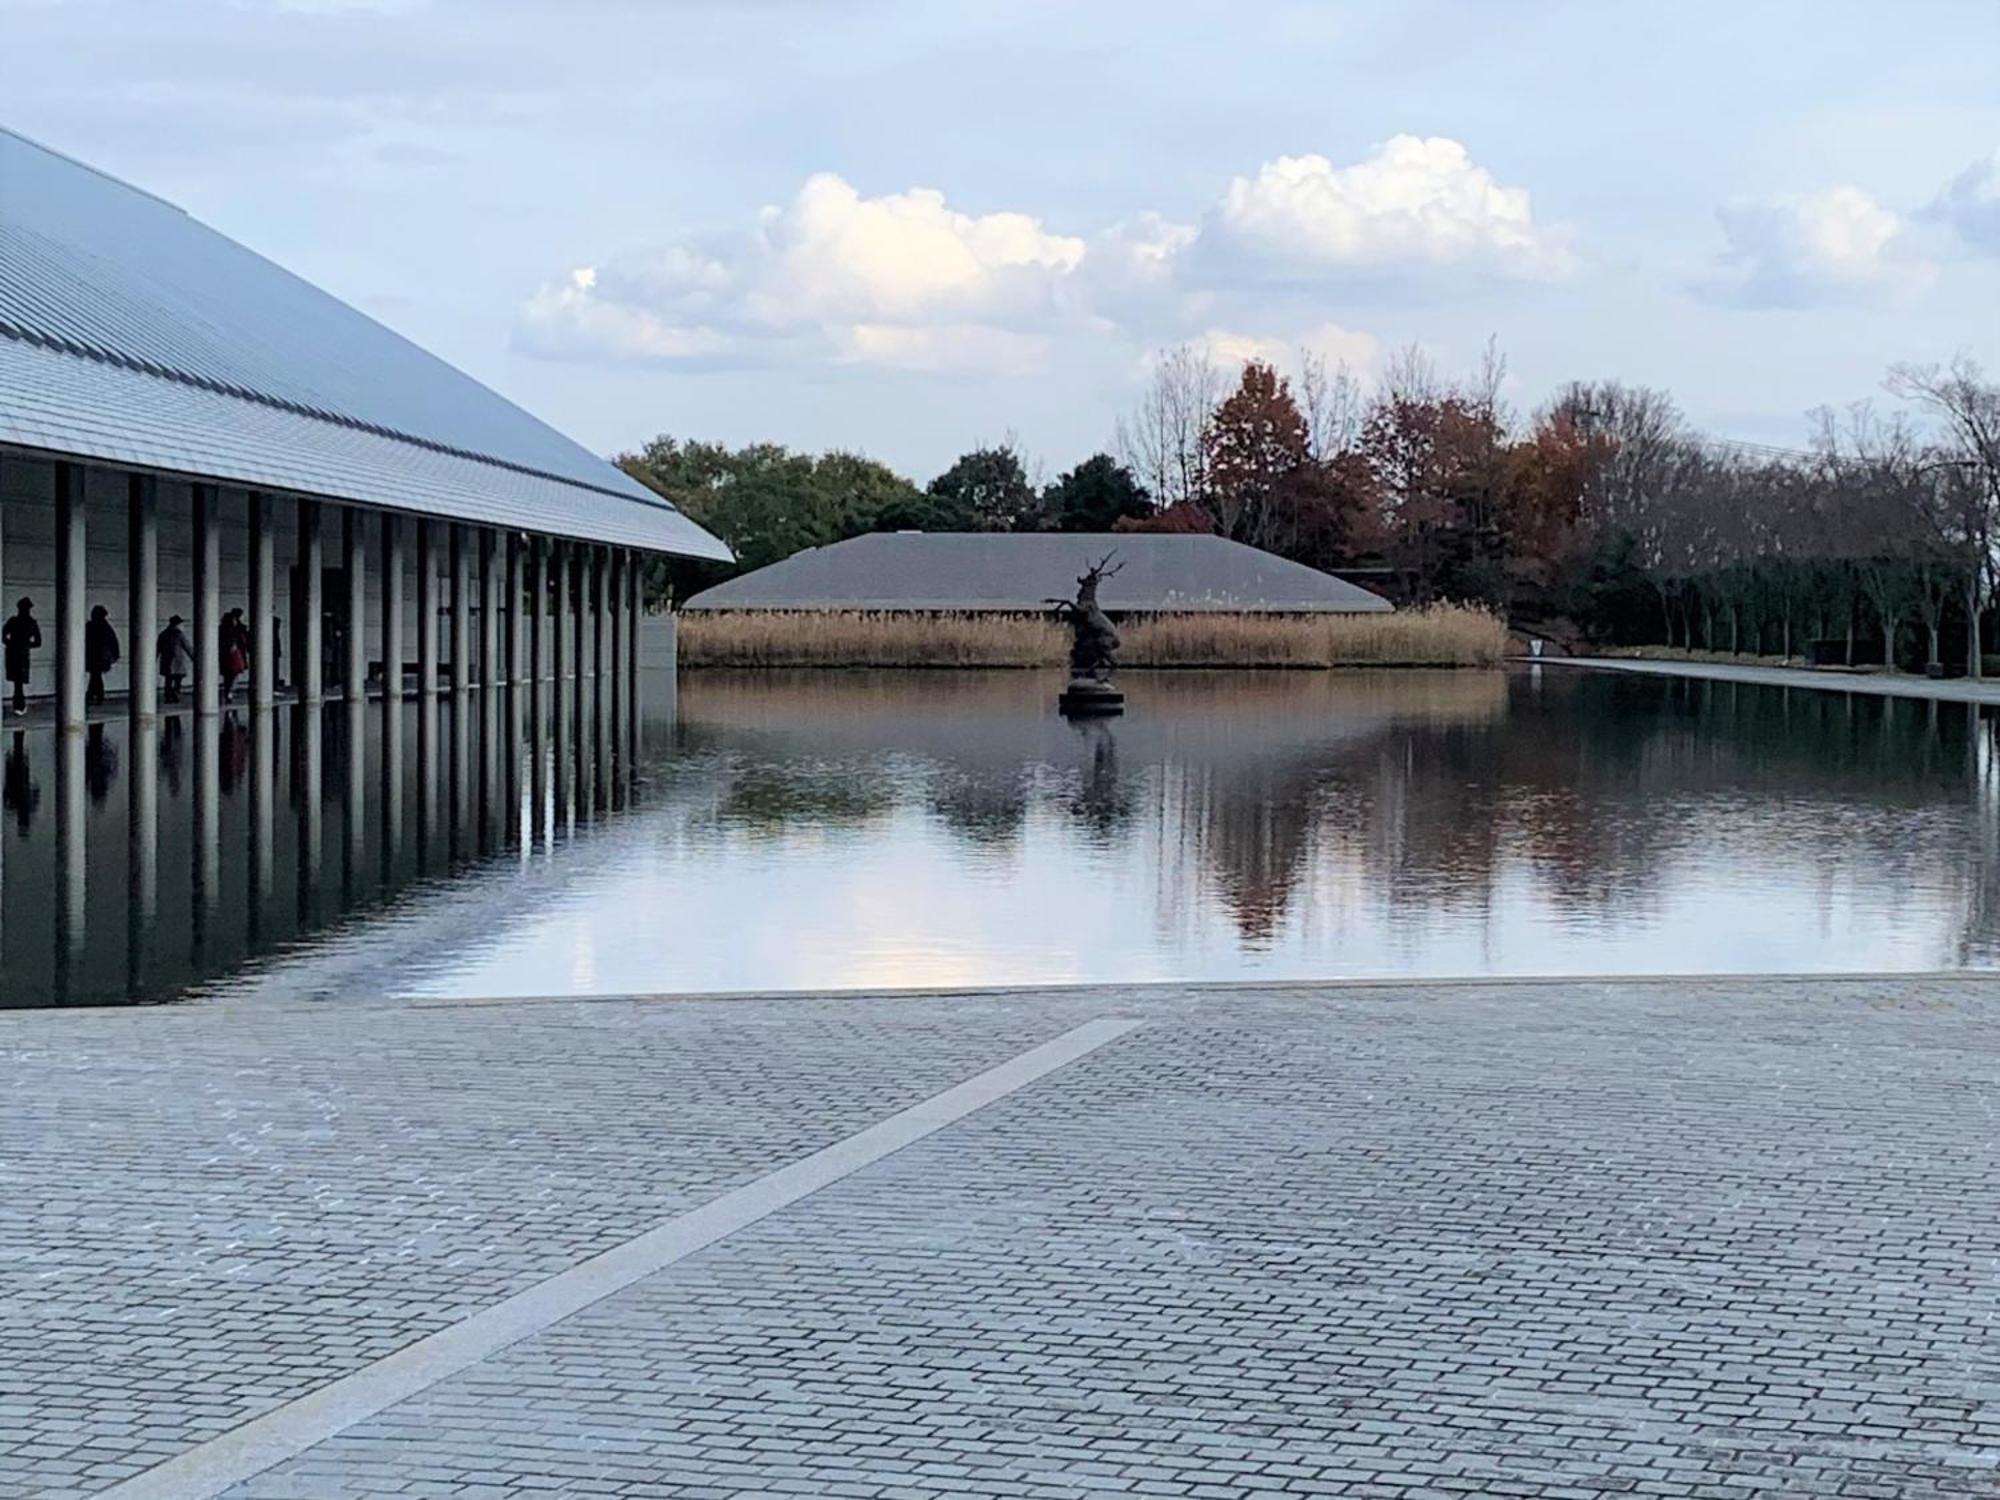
(209, 1469)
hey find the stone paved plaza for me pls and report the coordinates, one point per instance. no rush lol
(1556, 1239)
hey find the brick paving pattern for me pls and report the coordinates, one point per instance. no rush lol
(1716, 1238)
(205, 1212)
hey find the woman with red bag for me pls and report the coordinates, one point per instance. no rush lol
(233, 644)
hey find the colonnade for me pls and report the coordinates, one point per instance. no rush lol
(526, 647)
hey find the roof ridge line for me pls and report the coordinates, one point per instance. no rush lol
(77, 161)
(17, 334)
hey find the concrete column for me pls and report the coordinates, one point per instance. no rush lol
(142, 595)
(635, 620)
(614, 625)
(312, 609)
(354, 689)
(560, 695)
(392, 695)
(535, 585)
(427, 689)
(515, 652)
(517, 659)
(600, 675)
(71, 605)
(586, 695)
(207, 602)
(461, 611)
(427, 610)
(142, 743)
(490, 673)
(263, 599)
(392, 608)
(354, 565)
(461, 686)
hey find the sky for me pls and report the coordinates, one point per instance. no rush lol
(912, 227)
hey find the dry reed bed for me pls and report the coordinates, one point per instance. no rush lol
(1441, 636)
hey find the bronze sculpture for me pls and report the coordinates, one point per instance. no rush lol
(1093, 651)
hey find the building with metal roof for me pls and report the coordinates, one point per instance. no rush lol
(334, 515)
(185, 426)
(134, 334)
(1019, 572)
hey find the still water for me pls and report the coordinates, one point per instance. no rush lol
(823, 831)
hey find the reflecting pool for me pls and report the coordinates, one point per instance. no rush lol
(860, 830)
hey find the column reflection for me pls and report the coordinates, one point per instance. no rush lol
(142, 752)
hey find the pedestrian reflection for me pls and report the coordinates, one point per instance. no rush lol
(173, 753)
(22, 792)
(235, 752)
(100, 764)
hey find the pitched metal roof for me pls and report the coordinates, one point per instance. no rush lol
(1011, 572)
(133, 333)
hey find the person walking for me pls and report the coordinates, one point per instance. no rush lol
(19, 638)
(100, 653)
(175, 655)
(233, 645)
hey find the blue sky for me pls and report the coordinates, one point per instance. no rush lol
(908, 228)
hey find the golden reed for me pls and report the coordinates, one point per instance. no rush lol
(1443, 635)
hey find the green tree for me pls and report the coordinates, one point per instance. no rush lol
(766, 502)
(1095, 496)
(988, 490)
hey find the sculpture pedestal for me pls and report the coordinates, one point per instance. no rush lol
(1087, 698)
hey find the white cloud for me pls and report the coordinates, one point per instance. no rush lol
(832, 277)
(836, 278)
(1359, 352)
(1970, 204)
(1799, 249)
(1415, 202)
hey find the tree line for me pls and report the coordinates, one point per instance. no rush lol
(1602, 515)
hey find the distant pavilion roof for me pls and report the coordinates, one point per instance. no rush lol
(132, 334)
(1013, 572)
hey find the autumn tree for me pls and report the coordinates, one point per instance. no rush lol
(1255, 453)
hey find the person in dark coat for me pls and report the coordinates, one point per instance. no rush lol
(20, 637)
(100, 652)
(175, 656)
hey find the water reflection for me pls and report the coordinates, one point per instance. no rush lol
(854, 830)
(183, 849)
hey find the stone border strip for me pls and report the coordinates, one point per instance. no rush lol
(206, 1471)
(1135, 989)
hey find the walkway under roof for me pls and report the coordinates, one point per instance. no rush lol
(134, 335)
